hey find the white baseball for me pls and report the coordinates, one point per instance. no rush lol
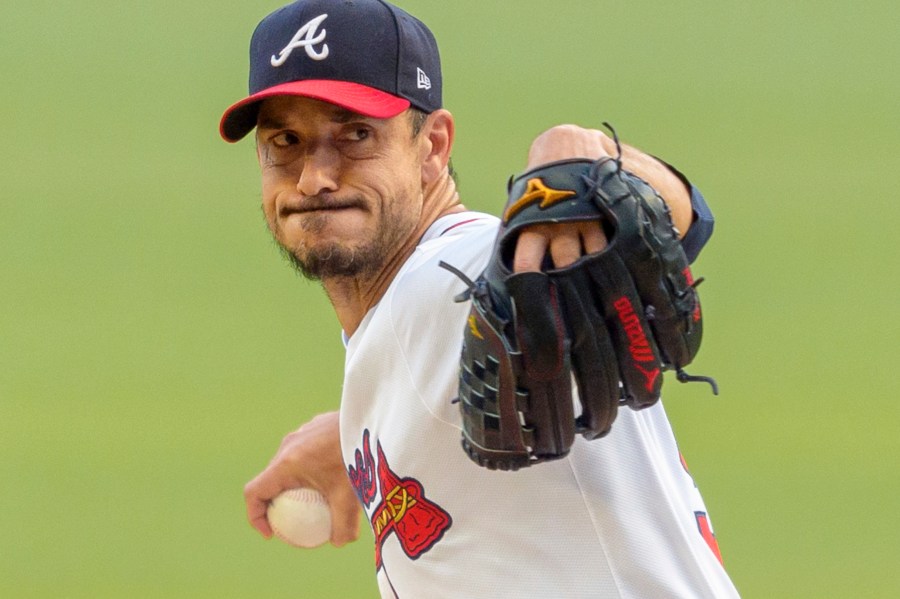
(300, 517)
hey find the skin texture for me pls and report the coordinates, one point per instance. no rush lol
(350, 196)
(347, 198)
(308, 457)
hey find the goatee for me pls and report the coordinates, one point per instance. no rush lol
(359, 258)
(331, 261)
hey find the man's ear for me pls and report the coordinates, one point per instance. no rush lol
(437, 142)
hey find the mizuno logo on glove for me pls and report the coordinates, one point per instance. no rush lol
(537, 191)
(638, 346)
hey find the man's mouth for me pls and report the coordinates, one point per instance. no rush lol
(318, 206)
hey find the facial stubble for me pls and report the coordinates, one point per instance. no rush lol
(335, 259)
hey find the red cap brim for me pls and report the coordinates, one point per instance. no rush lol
(240, 118)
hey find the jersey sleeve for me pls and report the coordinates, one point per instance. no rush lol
(426, 323)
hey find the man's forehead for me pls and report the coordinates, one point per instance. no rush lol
(279, 111)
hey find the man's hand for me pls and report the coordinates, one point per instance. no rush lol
(569, 141)
(566, 243)
(308, 457)
(609, 315)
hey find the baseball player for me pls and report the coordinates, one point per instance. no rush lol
(467, 496)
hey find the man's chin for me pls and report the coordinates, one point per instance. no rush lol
(330, 261)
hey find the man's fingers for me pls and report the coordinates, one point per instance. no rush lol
(345, 511)
(531, 247)
(565, 248)
(569, 141)
(256, 514)
(566, 243)
(344, 506)
(592, 237)
(256, 510)
(262, 490)
(308, 457)
(257, 495)
(344, 520)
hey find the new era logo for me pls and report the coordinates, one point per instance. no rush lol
(423, 81)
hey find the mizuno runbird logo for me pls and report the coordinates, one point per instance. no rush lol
(306, 37)
(536, 190)
(473, 327)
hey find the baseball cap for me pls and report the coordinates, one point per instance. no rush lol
(367, 56)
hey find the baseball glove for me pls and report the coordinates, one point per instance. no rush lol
(613, 321)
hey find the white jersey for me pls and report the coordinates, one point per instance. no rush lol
(618, 517)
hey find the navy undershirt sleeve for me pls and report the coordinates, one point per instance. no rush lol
(702, 224)
(702, 227)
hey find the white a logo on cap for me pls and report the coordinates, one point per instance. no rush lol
(306, 37)
(423, 81)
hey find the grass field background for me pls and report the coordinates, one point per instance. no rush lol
(154, 349)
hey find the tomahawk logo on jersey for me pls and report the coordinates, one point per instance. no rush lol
(403, 510)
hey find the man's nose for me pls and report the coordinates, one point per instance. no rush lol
(320, 172)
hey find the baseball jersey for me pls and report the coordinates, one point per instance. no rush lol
(617, 517)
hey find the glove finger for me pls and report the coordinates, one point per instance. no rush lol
(663, 280)
(636, 351)
(538, 323)
(593, 356)
(541, 338)
(490, 400)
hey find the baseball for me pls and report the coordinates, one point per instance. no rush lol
(300, 517)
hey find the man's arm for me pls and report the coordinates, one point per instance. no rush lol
(568, 242)
(308, 457)
(611, 320)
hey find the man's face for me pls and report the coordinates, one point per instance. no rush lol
(341, 192)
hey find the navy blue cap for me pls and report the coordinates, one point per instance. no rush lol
(367, 56)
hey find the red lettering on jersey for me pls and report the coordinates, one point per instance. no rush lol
(417, 522)
(708, 536)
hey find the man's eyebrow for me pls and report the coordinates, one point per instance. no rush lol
(339, 116)
(342, 115)
(265, 121)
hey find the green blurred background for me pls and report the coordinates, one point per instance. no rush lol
(154, 348)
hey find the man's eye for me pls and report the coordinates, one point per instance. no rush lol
(359, 134)
(283, 140)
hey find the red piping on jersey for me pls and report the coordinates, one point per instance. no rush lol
(459, 224)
